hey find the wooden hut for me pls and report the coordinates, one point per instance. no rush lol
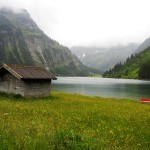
(28, 81)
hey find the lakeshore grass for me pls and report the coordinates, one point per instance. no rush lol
(70, 121)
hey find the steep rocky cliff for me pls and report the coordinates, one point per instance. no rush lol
(22, 42)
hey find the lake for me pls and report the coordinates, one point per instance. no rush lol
(103, 87)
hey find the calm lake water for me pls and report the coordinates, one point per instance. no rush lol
(103, 87)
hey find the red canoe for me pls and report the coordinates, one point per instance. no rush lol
(145, 100)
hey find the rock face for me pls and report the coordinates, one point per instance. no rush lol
(22, 42)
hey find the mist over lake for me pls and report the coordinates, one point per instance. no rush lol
(103, 87)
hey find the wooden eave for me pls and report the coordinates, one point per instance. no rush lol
(12, 71)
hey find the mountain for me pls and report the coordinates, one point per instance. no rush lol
(104, 58)
(22, 42)
(144, 45)
(136, 67)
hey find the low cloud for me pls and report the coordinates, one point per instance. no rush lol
(87, 22)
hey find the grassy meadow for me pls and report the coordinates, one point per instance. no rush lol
(70, 121)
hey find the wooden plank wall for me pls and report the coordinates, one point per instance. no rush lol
(27, 88)
(10, 84)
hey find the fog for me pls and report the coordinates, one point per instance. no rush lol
(89, 22)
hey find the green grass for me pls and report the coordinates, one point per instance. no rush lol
(69, 121)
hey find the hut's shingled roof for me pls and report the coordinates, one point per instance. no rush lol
(28, 72)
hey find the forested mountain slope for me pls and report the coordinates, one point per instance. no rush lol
(136, 67)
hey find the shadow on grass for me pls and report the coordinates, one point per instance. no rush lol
(18, 97)
(68, 140)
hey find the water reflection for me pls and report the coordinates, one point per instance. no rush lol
(118, 88)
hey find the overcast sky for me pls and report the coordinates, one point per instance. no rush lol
(89, 22)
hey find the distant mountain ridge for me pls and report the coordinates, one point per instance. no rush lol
(104, 58)
(22, 42)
